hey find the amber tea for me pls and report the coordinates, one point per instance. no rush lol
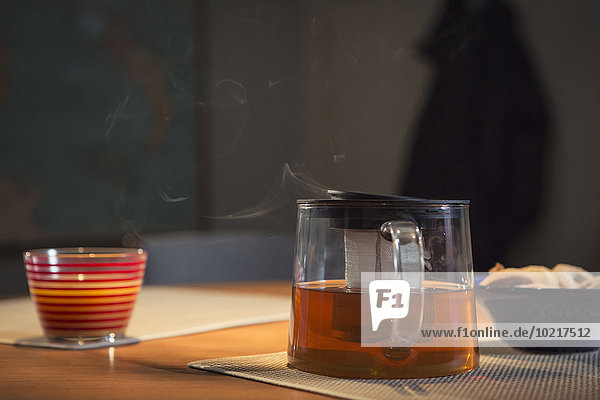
(325, 334)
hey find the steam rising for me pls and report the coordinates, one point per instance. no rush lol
(166, 197)
(286, 189)
(294, 185)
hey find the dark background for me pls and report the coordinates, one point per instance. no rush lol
(126, 122)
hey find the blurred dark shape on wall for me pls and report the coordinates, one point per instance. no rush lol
(483, 133)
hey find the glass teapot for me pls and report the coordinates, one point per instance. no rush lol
(345, 323)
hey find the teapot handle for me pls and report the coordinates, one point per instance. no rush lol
(409, 265)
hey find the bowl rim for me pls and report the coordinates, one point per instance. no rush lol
(513, 289)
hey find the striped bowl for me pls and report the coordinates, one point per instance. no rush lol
(82, 293)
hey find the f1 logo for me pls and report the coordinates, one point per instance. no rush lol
(389, 299)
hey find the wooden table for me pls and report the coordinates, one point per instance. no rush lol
(155, 369)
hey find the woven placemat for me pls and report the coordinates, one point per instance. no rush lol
(502, 374)
(160, 312)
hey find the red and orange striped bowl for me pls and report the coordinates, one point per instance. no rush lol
(82, 293)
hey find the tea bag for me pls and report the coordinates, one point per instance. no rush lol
(366, 251)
